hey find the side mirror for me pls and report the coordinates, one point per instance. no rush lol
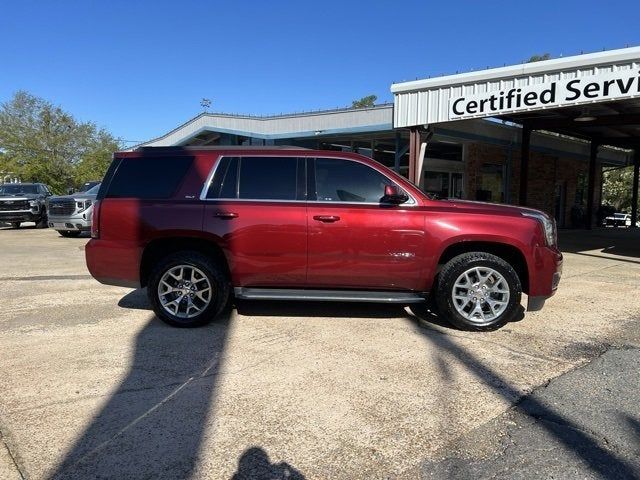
(394, 195)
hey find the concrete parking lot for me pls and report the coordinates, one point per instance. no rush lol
(93, 386)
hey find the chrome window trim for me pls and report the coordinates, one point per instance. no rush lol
(203, 193)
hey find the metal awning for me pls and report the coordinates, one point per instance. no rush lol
(594, 97)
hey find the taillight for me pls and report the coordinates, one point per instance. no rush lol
(95, 220)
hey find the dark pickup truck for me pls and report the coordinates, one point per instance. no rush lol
(24, 202)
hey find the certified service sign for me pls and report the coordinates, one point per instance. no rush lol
(592, 88)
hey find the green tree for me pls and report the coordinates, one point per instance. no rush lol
(617, 188)
(364, 102)
(95, 161)
(41, 142)
(539, 58)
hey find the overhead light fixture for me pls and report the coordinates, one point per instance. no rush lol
(585, 116)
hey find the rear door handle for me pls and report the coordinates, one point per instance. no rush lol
(226, 215)
(326, 218)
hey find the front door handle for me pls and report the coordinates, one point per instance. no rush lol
(326, 218)
(226, 215)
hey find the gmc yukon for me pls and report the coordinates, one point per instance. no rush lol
(198, 225)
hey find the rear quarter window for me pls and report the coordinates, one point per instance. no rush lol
(148, 177)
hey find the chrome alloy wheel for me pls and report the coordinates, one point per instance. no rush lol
(184, 291)
(480, 295)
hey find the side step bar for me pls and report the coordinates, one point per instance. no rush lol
(327, 295)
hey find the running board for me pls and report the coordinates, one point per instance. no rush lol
(327, 295)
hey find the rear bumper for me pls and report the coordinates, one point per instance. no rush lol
(545, 277)
(113, 263)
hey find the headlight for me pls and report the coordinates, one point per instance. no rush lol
(82, 205)
(33, 203)
(548, 226)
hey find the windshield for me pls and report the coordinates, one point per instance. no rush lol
(18, 189)
(93, 190)
(619, 215)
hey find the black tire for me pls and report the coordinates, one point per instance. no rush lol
(15, 224)
(462, 263)
(215, 274)
(70, 233)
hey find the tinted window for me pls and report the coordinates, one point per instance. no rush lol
(225, 180)
(348, 181)
(268, 178)
(148, 177)
(18, 189)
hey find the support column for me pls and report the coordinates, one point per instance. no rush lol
(591, 184)
(634, 192)
(524, 164)
(396, 157)
(399, 152)
(414, 152)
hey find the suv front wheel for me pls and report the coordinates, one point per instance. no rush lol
(188, 289)
(478, 291)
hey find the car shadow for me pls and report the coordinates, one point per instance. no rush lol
(152, 425)
(137, 299)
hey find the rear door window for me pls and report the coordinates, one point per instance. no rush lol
(268, 178)
(225, 181)
(148, 177)
(259, 178)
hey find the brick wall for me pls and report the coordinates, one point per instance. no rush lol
(546, 173)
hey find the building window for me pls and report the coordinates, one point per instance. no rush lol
(491, 183)
(443, 184)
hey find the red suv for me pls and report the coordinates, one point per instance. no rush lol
(197, 225)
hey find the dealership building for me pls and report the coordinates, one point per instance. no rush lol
(537, 134)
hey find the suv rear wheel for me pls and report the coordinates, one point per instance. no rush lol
(478, 291)
(188, 289)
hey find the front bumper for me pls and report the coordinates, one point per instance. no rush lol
(545, 277)
(19, 216)
(70, 222)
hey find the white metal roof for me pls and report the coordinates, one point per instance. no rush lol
(281, 126)
(428, 101)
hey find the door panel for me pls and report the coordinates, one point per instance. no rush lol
(354, 241)
(265, 242)
(365, 246)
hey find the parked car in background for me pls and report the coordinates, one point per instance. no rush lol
(618, 220)
(70, 215)
(24, 202)
(197, 225)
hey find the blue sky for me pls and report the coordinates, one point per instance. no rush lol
(140, 68)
